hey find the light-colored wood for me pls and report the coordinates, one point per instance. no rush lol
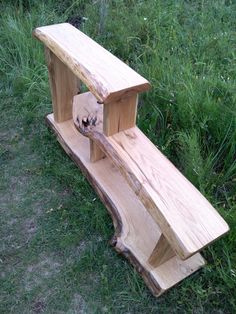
(188, 221)
(95, 152)
(107, 77)
(136, 232)
(161, 220)
(64, 85)
(85, 105)
(120, 115)
(161, 253)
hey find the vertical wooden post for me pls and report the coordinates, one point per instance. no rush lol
(117, 116)
(161, 253)
(64, 86)
(95, 152)
(120, 115)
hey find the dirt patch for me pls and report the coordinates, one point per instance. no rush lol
(30, 227)
(37, 273)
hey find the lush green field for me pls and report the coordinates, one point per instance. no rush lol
(55, 256)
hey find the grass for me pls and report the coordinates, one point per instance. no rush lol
(55, 256)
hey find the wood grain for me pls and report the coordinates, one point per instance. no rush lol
(95, 152)
(187, 220)
(136, 232)
(107, 77)
(64, 85)
(161, 253)
(157, 213)
(120, 115)
(85, 106)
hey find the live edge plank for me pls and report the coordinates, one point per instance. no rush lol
(107, 77)
(135, 235)
(187, 220)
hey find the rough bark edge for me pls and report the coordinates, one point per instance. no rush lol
(116, 240)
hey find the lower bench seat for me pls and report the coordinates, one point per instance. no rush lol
(136, 232)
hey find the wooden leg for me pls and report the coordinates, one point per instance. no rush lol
(117, 116)
(64, 85)
(120, 115)
(95, 152)
(161, 253)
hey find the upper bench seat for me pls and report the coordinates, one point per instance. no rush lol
(106, 76)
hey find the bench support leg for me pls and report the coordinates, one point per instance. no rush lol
(64, 85)
(161, 253)
(117, 116)
(95, 152)
(120, 115)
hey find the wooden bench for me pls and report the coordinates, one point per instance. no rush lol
(161, 220)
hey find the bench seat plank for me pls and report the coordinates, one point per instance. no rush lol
(107, 77)
(186, 218)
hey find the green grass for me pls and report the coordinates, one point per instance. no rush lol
(55, 256)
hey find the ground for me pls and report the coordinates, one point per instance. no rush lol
(55, 255)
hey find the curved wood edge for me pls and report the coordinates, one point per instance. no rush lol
(150, 281)
(127, 213)
(116, 241)
(101, 141)
(67, 43)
